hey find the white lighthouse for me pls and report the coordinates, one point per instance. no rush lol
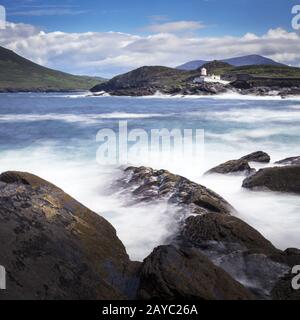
(204, 72)
(204, 77)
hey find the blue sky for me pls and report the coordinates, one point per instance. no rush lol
(109, 37)
(222, 17)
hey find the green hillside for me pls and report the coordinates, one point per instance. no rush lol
(272, 71)
(20, 74)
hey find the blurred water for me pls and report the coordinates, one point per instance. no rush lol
(54, 136)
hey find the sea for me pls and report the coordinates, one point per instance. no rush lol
(62, 137)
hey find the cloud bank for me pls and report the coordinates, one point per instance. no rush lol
(110, 53)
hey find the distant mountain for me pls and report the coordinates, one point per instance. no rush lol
(20, 74)
(248, 60)
(192, 65)
(216, 66)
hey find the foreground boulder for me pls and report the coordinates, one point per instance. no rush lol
(232, 166)
(170, 273)
(283, 289)
(292, 161)
(238, 249)
(226, 241)
(55, 248)
(283, 179)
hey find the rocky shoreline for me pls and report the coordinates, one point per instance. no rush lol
(148, 81)
(200, 90)
(55, 248)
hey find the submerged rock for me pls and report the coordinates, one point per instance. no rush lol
(232, 166)
(283, 179)
(184, 273)
(290, 161)
(55, 248)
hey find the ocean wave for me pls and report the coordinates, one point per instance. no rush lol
(249, 115)
(244, 135)
(71, 118)
(223, 96)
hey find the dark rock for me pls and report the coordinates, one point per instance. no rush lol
(224, 228)
(283, 289)
(241, 166)
(284, 179)
(55, 248)
(258, 156)
(232, 166)
(238, 249)
(290, 161)
(226, 241)
(184, 273)
(147, 184)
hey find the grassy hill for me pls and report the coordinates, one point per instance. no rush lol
(20, 74)
(146, 78)
(272, 71)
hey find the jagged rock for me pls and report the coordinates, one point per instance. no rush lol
(283, 289)
(170, 273)
(225, 240)
(284, 179)
(147, 184)
(241, 166)
(237, 248)
(55, 248)
(290, 161)
(232, 166)
(258, 156)
(199, 230)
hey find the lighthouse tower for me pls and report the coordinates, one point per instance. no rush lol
(204, 72)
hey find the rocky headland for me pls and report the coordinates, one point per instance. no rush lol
(150, 80)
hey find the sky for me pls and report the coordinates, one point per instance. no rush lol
(105, 38)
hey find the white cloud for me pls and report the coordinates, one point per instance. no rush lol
(176, 26)
(110, 53)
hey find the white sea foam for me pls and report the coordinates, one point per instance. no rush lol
(85, 118)
(249, 115)
(222, 96)
(141, 227)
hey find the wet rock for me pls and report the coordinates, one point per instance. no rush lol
(55, 248)
(290, 161)
(184, 273)
(258, 156)
(283, 289)
(146, 184)
(283, 179)
(238, 249)
(228, 242)
(199, 230)
(232, 166)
